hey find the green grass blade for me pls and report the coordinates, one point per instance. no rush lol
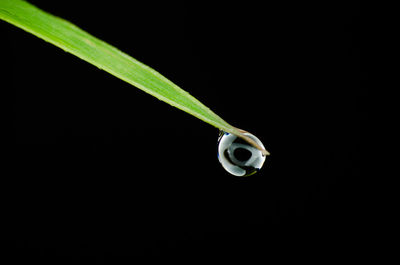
(72, 39)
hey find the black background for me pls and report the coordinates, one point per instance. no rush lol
(99, 171)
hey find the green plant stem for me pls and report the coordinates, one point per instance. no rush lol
(72, 39)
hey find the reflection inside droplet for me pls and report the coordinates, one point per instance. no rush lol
(239, 157)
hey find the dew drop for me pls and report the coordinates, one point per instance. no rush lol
(239, 157)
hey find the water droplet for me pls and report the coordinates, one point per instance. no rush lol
(239, 157)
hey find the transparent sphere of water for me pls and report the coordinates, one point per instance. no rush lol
(239, 157)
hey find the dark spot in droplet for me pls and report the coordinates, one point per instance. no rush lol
(242, 154)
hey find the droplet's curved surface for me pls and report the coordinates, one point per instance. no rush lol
(239, 157)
